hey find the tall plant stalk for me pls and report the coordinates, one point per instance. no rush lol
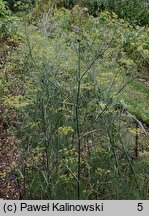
(77, 118)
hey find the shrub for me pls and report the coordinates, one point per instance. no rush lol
(135, 11)
(16, 5)
(5, 19)
(3, 9)
(8, 22)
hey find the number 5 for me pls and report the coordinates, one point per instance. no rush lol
(140, 207)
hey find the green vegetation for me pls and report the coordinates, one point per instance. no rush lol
(75, 99)
(16, 5)
(134, 11)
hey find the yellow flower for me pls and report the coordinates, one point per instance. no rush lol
(65, 130)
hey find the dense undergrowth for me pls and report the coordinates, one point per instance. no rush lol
(79, 110)
(134, 11)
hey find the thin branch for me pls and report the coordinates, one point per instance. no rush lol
(130, 81)
(87, 133)
(107, 105)
(75, 177)
(97, 57)
(136, 120)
